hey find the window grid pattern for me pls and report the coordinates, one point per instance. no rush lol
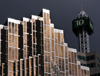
(34, 38)
(21, 67)
(55, 59)
(60, 56)
(25, 46)
(12, 46)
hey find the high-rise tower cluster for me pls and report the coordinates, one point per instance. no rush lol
(33, 47)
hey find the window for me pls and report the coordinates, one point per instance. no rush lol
(92, 57)
(91, 65)
(83, 64)
(87, 58)
(84, 58)
(81, 58)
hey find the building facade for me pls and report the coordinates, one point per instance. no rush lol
(33, 47)
(91, 60)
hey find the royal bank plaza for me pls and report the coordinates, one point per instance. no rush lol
(33, 47)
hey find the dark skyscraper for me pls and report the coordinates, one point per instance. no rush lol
(83, 27)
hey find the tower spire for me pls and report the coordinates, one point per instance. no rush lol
(82, 13)
(82, 29)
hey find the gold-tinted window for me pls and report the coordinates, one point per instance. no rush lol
(45, 56)
(16, 29)
(59, 50)
(48, 48)
(66, 52)
(56, 38)
(52, 45)
(45, 40)
(88, 73)
(45, 28)
(69, 55)
(16, 38)
(56, 60)
(47, 16)
(25, 26)
(45, 48)
(25, 39)
(16, 54)
(48, 41)
(12, 54)
(9, 63)
(53, 55)
(13, 29)
(16, 44)
(13, 40)
(33, 20)
(10, 27)
(25, 63)
(30, 59)
(44, 18)
(10, 37)
(44, 34)
(16, 26)
(75, 57)
(48, 31)
(44, 21)
(79, 71)
(9, 73)
(12, 43)
(76, 70)
(69, 69)
(44, 15)
(21, 64)
(25, 52)
(52, 32)
(46, 67)
(62, 39)
(49, 69)
(47, 21)
(9, 52)
(48, 57)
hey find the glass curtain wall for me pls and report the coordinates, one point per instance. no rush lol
(13, 49)
(47, 43)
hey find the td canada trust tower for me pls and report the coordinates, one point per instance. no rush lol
(83, 27)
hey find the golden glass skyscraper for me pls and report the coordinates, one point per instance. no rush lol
(33, 47)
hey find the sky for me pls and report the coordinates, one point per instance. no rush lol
(62, 12)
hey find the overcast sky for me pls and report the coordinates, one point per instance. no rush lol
(62, 12)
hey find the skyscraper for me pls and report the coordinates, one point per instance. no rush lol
(33, 47)
(83, 27)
